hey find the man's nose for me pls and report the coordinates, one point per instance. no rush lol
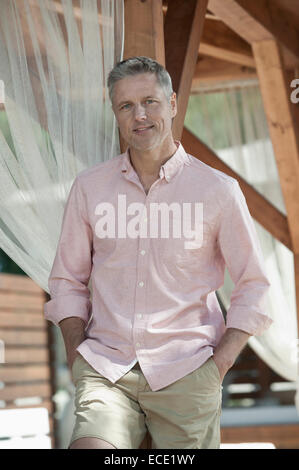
(140, 113)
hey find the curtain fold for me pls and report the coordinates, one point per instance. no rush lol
(55, 57)
(234, 125)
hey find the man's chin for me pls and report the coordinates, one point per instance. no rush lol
(143, 146)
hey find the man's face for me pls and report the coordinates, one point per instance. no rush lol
(143, 113)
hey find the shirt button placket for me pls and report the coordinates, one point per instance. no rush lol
(141, 288)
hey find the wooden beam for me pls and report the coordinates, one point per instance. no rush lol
(183, 28)
(228, 45)
(289, 59)
(220, 41)
(226, 54)
(260, 208)
(144, 34)
(259, 20)
(144, 29)
(284, 135)
(212, 70)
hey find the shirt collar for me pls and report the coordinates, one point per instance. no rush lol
(168, 169)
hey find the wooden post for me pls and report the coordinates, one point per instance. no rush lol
(144, 29)
(284, 135)
(144, 35)
(183, 29)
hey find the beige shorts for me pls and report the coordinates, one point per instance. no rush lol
(183, 415)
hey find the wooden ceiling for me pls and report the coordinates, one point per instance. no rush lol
(225, 51)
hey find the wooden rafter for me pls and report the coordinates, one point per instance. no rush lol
(183, 29)
(260, 208)
(259, 20)
(210, 70)
(221, 42)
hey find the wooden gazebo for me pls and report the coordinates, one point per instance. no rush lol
(200, 42)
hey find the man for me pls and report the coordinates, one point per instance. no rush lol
(152, 348)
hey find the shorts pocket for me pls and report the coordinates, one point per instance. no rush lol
(216, 370)
(208, 378)
(75, 366)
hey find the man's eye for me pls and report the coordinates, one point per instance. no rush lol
(149, 101)
(125, 106)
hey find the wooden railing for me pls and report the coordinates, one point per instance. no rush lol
(25, 374)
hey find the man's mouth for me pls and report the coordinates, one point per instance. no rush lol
(142, 129)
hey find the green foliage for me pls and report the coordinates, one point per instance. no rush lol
(218, 119)
(7, 265)
(205, 118)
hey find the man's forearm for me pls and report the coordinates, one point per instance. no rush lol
(73, 332)
(228, 349)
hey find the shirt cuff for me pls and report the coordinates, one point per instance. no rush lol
(65, 306)
(242, 318)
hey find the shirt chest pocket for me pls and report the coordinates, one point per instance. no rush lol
(190, 252)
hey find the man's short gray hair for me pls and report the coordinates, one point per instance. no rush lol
(138, 65)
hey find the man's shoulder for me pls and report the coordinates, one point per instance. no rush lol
(211, 175)
(99, 169)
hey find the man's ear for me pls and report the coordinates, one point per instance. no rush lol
(173, 104)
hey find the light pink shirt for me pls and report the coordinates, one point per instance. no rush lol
(153, 300)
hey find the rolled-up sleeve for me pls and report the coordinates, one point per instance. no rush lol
(241, 251)
(70, 273)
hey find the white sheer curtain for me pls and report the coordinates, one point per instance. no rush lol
(243, 143)
(55, 56)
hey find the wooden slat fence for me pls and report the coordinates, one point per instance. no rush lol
(26, 378)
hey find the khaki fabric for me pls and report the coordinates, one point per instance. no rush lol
(183, 415)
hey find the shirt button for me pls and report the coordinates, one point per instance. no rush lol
(139, 315)
(141, 284)
(142, 252)
(137, 345)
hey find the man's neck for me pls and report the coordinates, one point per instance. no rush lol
(147, 164)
